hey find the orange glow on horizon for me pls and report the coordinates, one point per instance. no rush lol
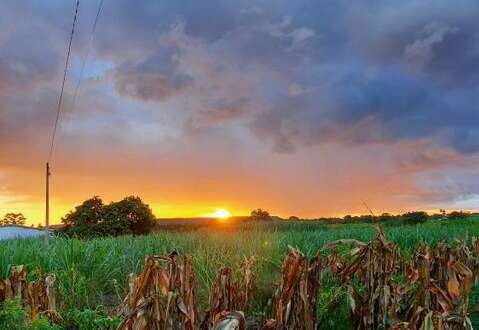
(34, 211)
(221, 214)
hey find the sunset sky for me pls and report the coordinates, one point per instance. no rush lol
(305, 108)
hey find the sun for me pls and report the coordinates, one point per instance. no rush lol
(221, 214)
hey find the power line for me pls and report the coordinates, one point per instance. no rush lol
(60, 99)
(90, 43)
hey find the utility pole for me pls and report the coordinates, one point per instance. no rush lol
(47, 203)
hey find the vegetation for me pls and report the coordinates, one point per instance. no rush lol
(13, 219)
(89, 319)
(92, 218)
(415, 217)
(260, 214)
(13, 316)
(94, 273)
(398, 219)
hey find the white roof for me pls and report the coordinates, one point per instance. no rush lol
(17, 231)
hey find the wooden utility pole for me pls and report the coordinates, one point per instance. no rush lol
(47, 203)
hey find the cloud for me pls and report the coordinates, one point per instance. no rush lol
(392, 87)
(420, 52)
(149, 86)
(299, 36)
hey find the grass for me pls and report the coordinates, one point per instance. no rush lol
(94, 272)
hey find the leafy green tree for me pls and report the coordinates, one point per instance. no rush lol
(93, 218)
(13, 219)
(130, 215)
(84, 220)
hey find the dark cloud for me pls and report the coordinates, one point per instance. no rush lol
(286, 77)
(152, 80)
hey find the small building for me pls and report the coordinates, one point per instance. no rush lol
(18, 231)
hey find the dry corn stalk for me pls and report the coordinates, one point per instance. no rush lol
(229, 321)
(18, 282)
(162, 296)
(229, 296)
(445, 283)
(295, 301)
(42, 295)
(14, 287)
(373, 265)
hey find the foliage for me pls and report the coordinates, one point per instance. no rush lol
(13, 219)
(42, 324)
(260, 214)
(458, 215)
(94, 272)
(93, 218)
(385, 217)
(14, 317)
(415, 217)
(130, 215)
(89, 319)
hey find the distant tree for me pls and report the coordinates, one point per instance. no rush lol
(293, 218)
(347, 218)
(260, 214)
(458, 215)
(385, 217)
(13, 219)
(415, 217)
(93, 218)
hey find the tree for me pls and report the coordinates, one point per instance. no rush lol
(458, 215)
(385, 217)
(83, 221)
(93, 218)
(415, 217)
(13, 219)
(130, 215)
(260, 214)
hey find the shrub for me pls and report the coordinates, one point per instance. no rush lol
(14, 317)
(415, 217)
(42, 324)
(89, 319)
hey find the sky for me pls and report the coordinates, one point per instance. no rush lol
(306, 108)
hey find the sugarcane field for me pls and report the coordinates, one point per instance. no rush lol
(255, 274)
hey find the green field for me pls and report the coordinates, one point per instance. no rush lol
(94, 273)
